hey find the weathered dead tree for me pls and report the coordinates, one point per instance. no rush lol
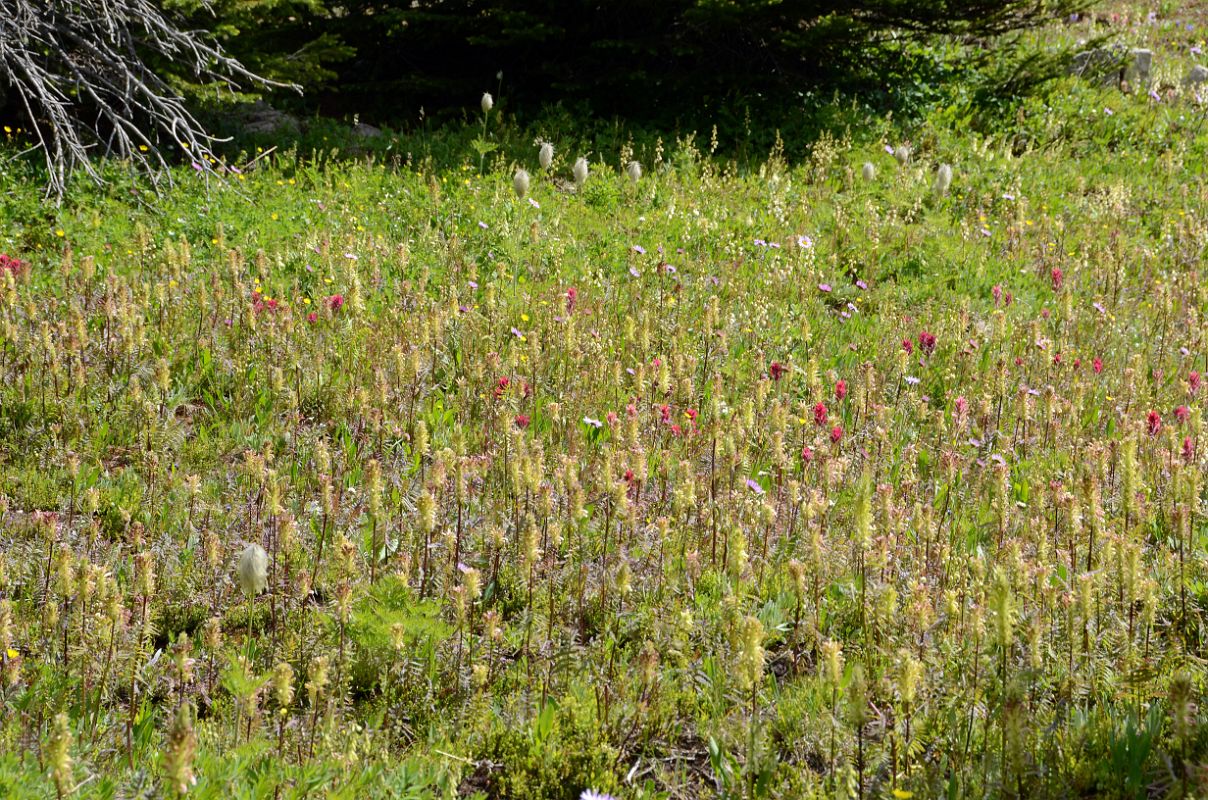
(83, 73)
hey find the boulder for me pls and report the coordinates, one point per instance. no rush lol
(1138, 67)
(263, 118)
(366, 131)
(1114, 65)
(1197, 74)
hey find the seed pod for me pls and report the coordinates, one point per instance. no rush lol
(253, 570)
(520, 182)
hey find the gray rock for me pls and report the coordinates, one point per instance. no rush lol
(263, 118)
(1139, 65)
(1197, 74)
(1114, 65)
(366, 131)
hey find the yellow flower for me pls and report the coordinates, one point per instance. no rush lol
(11, 653)
(524, 318)
(902, 794)
(305, 301)
(59, 232)
(274, 215)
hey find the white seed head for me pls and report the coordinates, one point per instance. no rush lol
(580, 171)
(943, 178)
(869, 172)
(520, 182)
(488, 102)
(253, 570)
(902, 153)
(546, 155)
(634, 171)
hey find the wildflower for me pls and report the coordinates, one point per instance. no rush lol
(545, 156)
(807, 454)
(572, 295)
(595, 423)
(776, 370)
(335, 302)
(997, 292)
(908, 346)
(1182, 413)
(634, 170)
(522, 421)
(868, 172)
(751, 652)
(253, 570)
(836, 434)
(10, 264)
(520, 182)
(840, 389)
(58, 753)
(487, 103)
(580, 171)
(181, 746)
(1153, 422)
(1097, 365)
(1193, 382)
(1058, 277)
(754, 486)
(820, 414)
(1188, 450)
(592, 794)
(943, 178)
(927, 342)
(902, 154)
(824, 287)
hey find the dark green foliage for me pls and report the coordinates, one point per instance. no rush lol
(665, 62)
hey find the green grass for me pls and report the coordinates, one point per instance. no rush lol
(524, 546)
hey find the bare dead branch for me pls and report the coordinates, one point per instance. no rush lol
(81, 70)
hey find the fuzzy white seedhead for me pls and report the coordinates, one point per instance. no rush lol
(253, 570)
(520, 182)
(943, 178)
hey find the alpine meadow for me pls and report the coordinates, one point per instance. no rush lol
(509, 452)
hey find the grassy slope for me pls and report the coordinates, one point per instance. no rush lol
(1018, 589)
